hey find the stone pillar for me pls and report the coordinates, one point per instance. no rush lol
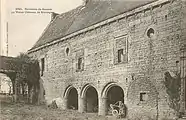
(65, 104)
(81, 104)
(41, 97)
(183, 100)
(102, 106)
(184, 96)
(125, 97)
(183, 82)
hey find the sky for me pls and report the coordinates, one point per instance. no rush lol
(27, 19)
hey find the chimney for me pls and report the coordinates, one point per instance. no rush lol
(85, 2)
(53, 15)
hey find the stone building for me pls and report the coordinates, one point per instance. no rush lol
(108, 51)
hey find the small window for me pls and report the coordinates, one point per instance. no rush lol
(150, 33)
(143, 96)
(42, 66)
(166, 17)
(120, 55)
(67, 51)
(80, 64)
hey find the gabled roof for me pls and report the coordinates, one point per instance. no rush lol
(94, 12)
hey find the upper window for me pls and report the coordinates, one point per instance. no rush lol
(80, 64)
(150, 33)
(67, 51)
(165, 17)
(120, 51)
(120, 55)
(42, 66)
(80, 61)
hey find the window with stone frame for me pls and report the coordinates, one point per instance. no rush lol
(42, 66)
(120, 51)
(80, 61)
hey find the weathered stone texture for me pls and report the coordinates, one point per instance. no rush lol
(147, 59)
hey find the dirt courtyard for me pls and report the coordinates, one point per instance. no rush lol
(12, 111)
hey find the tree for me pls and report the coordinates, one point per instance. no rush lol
(27, 73)
(173, 89)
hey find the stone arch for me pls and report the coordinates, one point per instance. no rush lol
(111, 94)
(107, 87)
(71, 95)
(67, 90)
(12, 76)
(90, 96)
(6, 84)
(84, 89)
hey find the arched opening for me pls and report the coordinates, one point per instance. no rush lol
(91, 98)
(6, 86)
(72, 99)
(114, 95)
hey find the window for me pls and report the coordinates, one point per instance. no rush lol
(121, 50)
(42, 66)
(143, 96)
(150, 33)
(67, 51)
(79, 60)
(120, 55)
(165, 17)
(44, 93)
(80, 64)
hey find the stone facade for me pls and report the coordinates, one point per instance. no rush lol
(132, 51)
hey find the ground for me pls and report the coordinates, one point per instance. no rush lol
(33, 112)
(21, 111)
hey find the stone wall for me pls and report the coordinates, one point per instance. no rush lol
(146, 58)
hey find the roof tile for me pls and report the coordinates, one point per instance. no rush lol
(94, 12)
